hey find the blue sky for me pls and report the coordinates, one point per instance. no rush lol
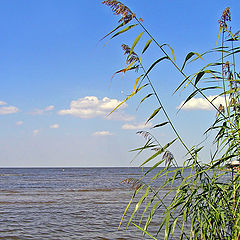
(56, 87)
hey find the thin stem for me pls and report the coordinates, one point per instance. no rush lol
(176, 66)
(165, 112)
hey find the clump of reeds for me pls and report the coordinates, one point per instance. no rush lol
(209, 205)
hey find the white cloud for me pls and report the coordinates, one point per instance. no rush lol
(42, 111)
(91, 107)
(35, 132)
(8, 110)
(135, 126)
(202, 104)
(3, 103)
(19, 123)
(102, 133)
(54, 126)
(120, 116)
(49, 108)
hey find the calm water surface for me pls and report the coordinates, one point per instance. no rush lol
(77, 203)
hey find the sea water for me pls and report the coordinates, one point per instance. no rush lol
(69, 203)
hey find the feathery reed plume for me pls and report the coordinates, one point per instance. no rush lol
(167, 157)
(221, 108)
(226, 67)
(135, 183)
(119, 8)
(226, 16)
(133, 57)
(145, 134)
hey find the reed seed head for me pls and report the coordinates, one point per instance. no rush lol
(167, 157)
(221, 109)
(135, 184)
(226, 16)
(120, 9)
(145, 134)
(226, 67)
(133, 56)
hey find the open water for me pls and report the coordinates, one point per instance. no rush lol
(77, 203)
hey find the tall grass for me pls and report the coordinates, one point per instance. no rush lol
(204, 204)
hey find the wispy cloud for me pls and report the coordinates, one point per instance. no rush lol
(136, 126)
(54, 126)
(42, 111)
(3, 103)
(102, 133)
(35, 132)
(92, 107)
(202, 104)
(4, 110)
(19, 123)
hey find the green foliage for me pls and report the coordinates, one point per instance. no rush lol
(197, 200)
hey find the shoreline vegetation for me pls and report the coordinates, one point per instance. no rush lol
(204, 204)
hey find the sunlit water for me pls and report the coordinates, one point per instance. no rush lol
(77, 203)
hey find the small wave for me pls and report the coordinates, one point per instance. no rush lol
(10, 175)
(27, 202)
(96, 190)
(10, 237)
(8, 191)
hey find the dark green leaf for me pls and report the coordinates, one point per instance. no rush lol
(152, 66)
(160, 125)
(149, 95)
(199, 76)
(188, 57)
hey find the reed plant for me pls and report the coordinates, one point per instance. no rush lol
(204, 203)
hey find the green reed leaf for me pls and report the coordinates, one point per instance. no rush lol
(135, 92)
(149, 95)
(155, 165)
(194, 93)
(150, 215)
(189, 55)
(174, 226)
(167, 216)
(119, 26)
(144, 231)
(173, 54)
(156, 154)
(136, 82)
(219, 33)
(153, 65)
(146, 46)
(124, 30)
(160, 125)
(135, 43)
(137, 206)
(181, 84)
(126, 209)
(199, 76)
(153, 114)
